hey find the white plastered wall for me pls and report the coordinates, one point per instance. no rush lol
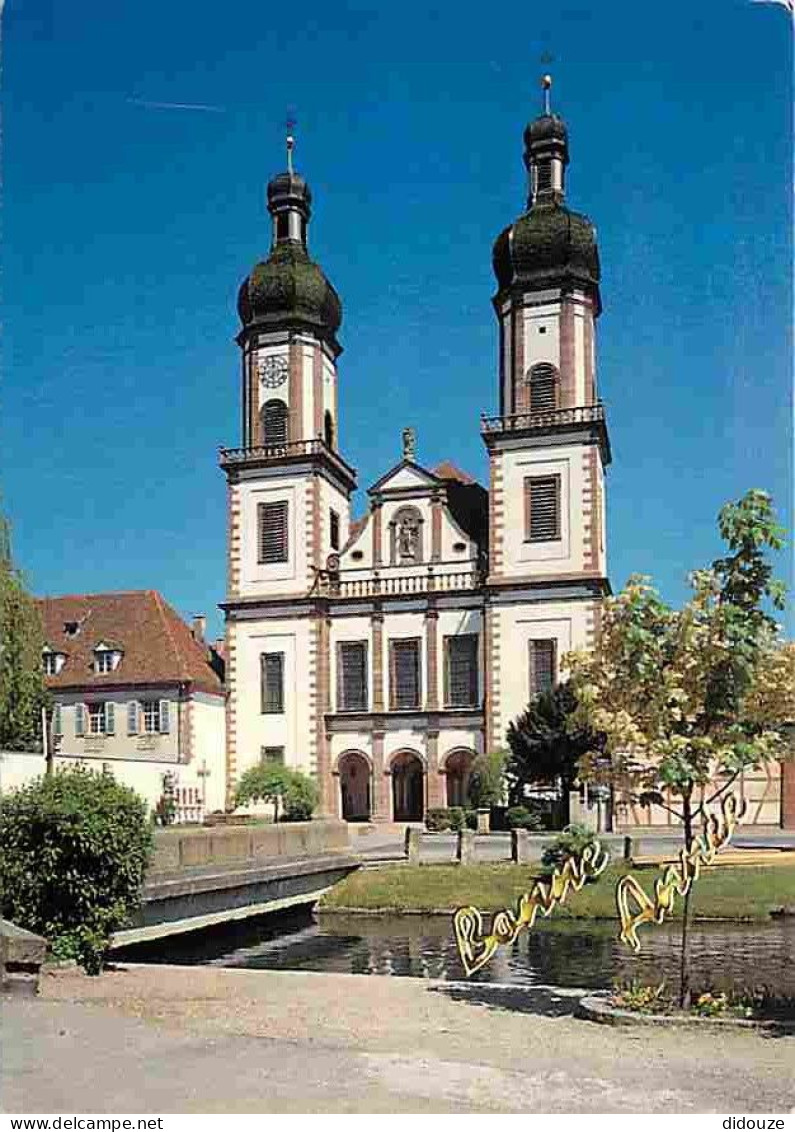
(563, 555)
(567, 623)
(332, 498)
(289, 729)
(208, 745)
(138, 746)
(541, 326)
(282, 577)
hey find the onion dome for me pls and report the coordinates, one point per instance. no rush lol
(549, 244)
(288, 289)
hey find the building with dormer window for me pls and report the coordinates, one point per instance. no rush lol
(137, 691)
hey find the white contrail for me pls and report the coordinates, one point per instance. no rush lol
(172, 105)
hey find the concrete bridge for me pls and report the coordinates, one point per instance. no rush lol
(202, 877)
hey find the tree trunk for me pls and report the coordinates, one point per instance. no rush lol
(684, 955)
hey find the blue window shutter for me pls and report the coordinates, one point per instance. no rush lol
(164, 720)
(110, 719)
(56, 720)
(80, 719)
(132, 718)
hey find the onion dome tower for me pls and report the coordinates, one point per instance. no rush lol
(548, 447)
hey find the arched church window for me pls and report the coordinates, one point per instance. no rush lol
(274, 423)
(543, 381)
(406, 537)
(328, 429)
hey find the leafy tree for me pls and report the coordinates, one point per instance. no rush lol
(487, 780)
(300, 797)
(677, 693)
(546, 744)
(74, 847)
(22, 690)
(272, 782)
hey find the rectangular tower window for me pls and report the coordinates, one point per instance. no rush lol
(461, 670)
(272, 755)
(542, 508)
(404, 673)
(542, 658)
(272, 683)
(334, 529)
(272, 540)
(352, 676)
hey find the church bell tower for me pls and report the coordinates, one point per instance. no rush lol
(289, 492)
(548, 448)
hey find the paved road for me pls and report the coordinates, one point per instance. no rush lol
(170, 1039)
(439, 847)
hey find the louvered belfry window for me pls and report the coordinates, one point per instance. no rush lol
(405, 674)
(272, 683)
(274, 423)
(272, 541)
(543, 379)
(542, 508)
(461, 670)
(542, 666)
(352, 676)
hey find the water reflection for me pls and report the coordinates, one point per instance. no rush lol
(563, 953)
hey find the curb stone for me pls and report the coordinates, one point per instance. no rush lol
(597, 1009)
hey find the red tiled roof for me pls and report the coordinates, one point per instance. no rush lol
(447, 470)
(157, 645)
(354, 530)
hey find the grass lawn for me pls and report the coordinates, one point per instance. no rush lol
(743, 893)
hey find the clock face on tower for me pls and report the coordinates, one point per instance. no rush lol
(272, 371)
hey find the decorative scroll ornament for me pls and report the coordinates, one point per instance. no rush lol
(676, 878)
(476, 949)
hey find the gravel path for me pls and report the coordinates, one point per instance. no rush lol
(200, 1039)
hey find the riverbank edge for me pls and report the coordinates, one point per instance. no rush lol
(335, 910)
(594, 1008)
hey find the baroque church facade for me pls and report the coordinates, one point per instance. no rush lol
(383, 654)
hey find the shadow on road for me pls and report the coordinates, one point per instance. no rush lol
(520, 1000)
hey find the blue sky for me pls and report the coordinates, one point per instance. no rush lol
(127, 229)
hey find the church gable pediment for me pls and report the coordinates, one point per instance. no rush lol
(405, 476)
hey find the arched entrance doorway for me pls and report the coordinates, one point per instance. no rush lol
(354, 773)
(457, 769)
(408, 788)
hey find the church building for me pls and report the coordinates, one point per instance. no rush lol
(383, 654)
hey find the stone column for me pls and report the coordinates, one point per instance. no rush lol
(435, 785)
(323, 683)
(381, 781)
(377, 622)
(436, 528)
(377, 534)
(431, 661)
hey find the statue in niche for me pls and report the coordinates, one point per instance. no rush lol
(407, 537)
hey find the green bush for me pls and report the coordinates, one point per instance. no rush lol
(437, 820)
(519, 817)
(300, 797)
(74, 847)
(569, 843)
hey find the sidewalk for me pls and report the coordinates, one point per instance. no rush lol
(170, 1039)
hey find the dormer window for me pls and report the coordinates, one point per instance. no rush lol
(52, 661)
(106, 658)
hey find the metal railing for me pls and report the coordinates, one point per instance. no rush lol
(312, 447)
(530, 422)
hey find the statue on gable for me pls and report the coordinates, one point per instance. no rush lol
(408, 537)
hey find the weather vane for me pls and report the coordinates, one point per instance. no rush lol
(546, 81)
(290, 124)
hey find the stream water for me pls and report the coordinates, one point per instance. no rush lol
(563, 953)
